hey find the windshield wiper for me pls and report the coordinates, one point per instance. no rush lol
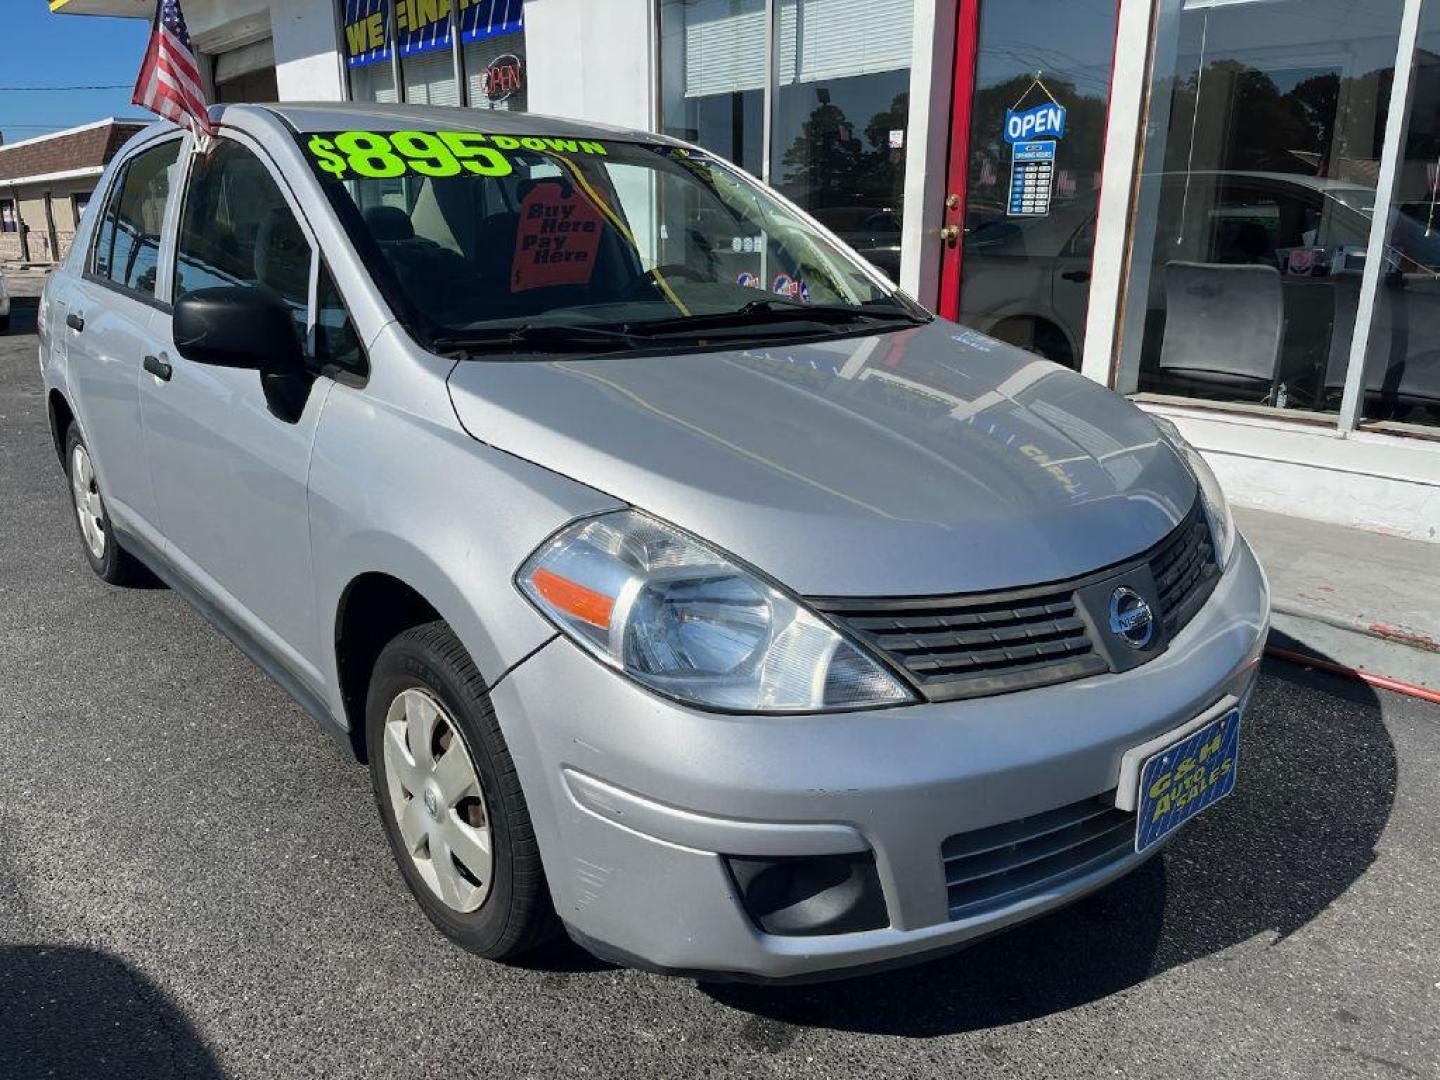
(766, 312)
(533, 337)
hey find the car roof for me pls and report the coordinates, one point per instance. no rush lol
(307, 116)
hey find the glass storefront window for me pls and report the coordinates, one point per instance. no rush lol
(495, 72)
(1262, 151)
(713, 71)
(373, 82)
(430, 78)
(841, 117)
(427, 55)
(417, 37)
(839, 109)
(366, 33)
(1401, 382)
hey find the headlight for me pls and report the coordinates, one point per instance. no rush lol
(1212, 498)
(680, 618)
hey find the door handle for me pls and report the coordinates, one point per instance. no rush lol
(1076, 275)
(75, 322)
(159, 368)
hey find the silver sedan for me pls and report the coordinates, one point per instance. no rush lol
(686, 587)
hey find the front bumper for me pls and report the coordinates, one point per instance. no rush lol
(636, 799)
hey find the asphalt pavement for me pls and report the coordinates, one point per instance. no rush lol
(193, 882)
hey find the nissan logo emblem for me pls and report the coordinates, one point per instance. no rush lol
(1131, 619)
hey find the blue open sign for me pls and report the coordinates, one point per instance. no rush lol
(1046, 120)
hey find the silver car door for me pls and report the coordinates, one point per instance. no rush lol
(109, 316)
(230, 476)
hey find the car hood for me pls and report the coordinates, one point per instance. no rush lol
(923, 461)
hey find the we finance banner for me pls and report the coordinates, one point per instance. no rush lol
(372, 29)
(366, 26)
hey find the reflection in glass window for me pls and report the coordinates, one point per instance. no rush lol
(1258, 187)
(127, 247)
(841, 117)
(712, 63)
(1401, 383)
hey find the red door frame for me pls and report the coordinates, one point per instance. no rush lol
(967, 40)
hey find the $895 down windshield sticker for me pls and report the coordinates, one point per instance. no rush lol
(382, 155)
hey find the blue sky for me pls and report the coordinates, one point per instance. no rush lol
(65, 50)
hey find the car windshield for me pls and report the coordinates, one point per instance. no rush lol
(556, 242)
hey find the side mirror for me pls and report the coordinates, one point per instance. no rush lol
(238, 326)
(247, 327)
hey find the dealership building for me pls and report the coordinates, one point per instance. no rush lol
(1228, 210)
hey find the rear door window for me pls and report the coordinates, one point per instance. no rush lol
(127, 244)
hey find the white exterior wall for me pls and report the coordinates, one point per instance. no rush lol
(1366, 480)
(308, 66)
(593, 60)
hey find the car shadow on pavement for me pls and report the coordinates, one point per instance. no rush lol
(1314, 795)
(77, 1013)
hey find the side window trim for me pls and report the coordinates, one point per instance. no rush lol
(112, 194)
(108, 207)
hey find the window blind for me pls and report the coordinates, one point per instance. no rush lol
(430, 78)
(838, 39)
(724, 45)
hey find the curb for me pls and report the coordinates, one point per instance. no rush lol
(1381, 631)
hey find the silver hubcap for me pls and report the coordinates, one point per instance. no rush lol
(437, 800)
(88, 507)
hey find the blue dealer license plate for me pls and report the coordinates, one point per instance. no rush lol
(1176, 783)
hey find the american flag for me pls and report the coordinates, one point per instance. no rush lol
(169, 82)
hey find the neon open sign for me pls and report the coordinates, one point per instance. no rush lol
(1039, 122)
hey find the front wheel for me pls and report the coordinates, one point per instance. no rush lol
(449, 797)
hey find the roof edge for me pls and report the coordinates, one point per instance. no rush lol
(137, 123)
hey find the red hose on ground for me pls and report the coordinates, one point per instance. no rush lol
(1382, 681)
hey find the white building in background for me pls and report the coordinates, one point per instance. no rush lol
(1176, 197)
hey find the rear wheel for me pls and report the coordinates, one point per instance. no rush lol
(449, 797)
(97, 540)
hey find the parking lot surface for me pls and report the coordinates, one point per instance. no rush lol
(193, 882)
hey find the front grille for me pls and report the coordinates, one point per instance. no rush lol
(988, 869)
(1183, 566)
(977, 644)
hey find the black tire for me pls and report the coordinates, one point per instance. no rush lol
(115, 565)
(517, 914)
(4, 324)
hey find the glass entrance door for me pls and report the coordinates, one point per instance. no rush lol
(1031, 100)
